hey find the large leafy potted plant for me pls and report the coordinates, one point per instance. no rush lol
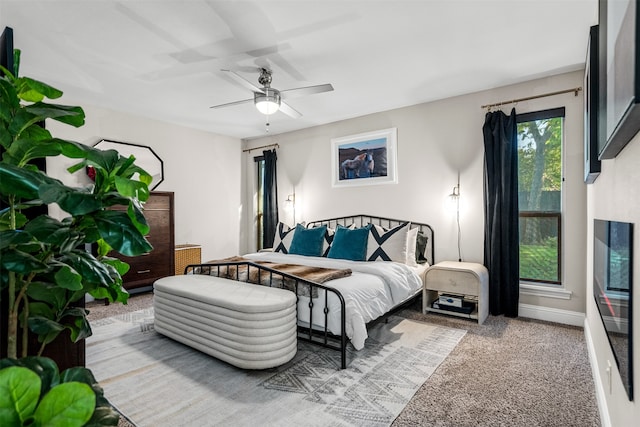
(44, 265)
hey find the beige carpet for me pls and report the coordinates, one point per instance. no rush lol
(159, 382)
(507, 372)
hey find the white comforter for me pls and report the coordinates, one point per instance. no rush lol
(371, 291)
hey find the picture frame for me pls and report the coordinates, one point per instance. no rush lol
(591, 97)
(620, 73)
(146, 158)
(364, 159)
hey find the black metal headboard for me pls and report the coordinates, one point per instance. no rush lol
(362, 220)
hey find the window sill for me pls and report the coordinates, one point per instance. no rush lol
(528, 288)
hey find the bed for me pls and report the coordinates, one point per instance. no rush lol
(334, 312)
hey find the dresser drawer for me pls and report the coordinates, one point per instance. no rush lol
(146, 275)
(148, 267)
(158, 201)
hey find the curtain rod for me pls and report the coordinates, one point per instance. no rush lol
(262, 146)
(575, 90)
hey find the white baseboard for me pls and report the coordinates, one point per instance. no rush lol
(597, 379)
(556, 315)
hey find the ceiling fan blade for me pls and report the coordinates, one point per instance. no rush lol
(303, 91)
(229, 104)
(289, 111)
(244, 82)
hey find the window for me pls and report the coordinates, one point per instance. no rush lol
(540, 138)
(259, 201)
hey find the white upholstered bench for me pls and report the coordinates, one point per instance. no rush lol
(249, 326)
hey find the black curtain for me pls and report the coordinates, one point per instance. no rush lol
(501, 240)
(269, 199)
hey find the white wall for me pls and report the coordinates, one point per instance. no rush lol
(435, 141)
(201, 168)
(615, 195)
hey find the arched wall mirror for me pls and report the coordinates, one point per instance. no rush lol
(146, 158)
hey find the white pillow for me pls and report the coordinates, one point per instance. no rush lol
(388, 245)
(328, 239)
(412, 240)
(282, 239)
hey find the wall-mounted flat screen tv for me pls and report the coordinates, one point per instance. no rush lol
(612, 289)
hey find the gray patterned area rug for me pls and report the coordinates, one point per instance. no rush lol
(155, 381)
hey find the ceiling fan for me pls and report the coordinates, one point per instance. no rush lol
(268, 100)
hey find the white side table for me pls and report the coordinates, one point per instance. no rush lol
(466, 279)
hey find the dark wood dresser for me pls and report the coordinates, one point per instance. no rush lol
(145, 269)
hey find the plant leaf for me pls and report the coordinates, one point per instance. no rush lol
(138, 219)
(46, 329)
(33, 90)
(112, 293)
(70, 115)
(9, 100)
(19, 394)
(22, 121)
(66, 405)
(49, 293)
(26, 149)
(132, 188)
(80, 329)
(13, 237)
(68, 278)
(117, 229)
(72, 149)
(104, 415)
(16, 62)
(21, 182)
(81, 375)
(42, 309)
(103, 248)
(35, 132)
(71, 200)
(91, 270)
(5, 220)
(104, 159)
(121, 267)
(20, 262)
(45, 368)
(47, 229)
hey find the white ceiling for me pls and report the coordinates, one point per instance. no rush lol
(162, 59)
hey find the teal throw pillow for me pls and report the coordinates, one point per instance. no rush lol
(350, 244)
(307, 241)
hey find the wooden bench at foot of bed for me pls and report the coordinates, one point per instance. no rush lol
(248, 326)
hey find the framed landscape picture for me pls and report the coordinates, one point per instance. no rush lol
(364, 159)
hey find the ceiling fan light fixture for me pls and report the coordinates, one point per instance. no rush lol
(268, 102)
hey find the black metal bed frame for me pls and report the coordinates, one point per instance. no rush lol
(273, 278)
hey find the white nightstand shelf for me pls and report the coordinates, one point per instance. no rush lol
(465, 279)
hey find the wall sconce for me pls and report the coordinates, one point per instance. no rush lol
(454, 200)
(290, 204)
